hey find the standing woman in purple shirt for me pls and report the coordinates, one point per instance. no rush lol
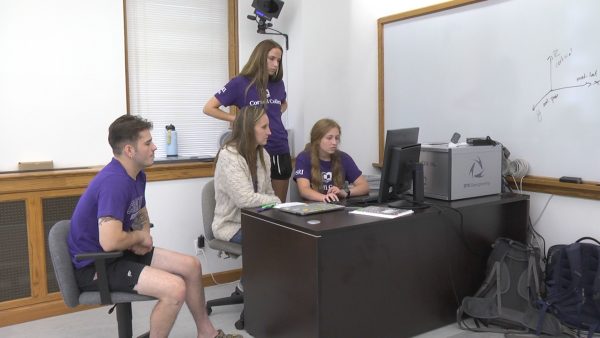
(322, 169)
(260, 83)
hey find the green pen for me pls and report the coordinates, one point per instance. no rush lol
(265, 207)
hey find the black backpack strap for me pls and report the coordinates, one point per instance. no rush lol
(574, 255)
(555, 291)
(588, 238)
(532, 275)
(573, 252)
(596, 291)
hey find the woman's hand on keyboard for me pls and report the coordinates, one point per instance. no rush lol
(330, 197)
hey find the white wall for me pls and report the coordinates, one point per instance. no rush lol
(330, 70)
(175, 208)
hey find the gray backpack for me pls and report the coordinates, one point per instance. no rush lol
(508, 301)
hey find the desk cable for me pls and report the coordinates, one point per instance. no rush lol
(536, 236)
(460, 226)
(518, 169)
(211, 274)
(465, 243)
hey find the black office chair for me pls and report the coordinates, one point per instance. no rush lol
(72, 296)
(225, 249)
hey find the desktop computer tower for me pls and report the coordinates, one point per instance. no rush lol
(463, 171)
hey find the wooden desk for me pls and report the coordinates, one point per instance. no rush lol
(363, 276)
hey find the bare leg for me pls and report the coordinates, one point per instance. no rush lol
(280, 187)
(189, 268)
(170, 291)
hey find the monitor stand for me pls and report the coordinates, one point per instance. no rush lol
(406, 204)
(418, 197)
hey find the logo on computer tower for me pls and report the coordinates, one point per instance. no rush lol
(477, 169)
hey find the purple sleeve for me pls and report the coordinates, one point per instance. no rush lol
(302, 166)
(350, 168)
(232, 93)
(112, 201)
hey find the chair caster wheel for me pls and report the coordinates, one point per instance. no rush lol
(239, 324)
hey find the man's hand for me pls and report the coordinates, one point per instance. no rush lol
(140, 250)
(143, 247)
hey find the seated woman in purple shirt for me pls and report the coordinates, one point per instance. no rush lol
(322, 169)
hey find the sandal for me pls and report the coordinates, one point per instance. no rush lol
(221, 334)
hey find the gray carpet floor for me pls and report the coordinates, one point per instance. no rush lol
(97, 323)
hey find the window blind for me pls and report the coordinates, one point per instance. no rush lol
(177, 54)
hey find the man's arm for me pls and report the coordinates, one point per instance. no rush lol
(142, 223)
(113, 238)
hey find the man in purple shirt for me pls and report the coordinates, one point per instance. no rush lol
(112, 216)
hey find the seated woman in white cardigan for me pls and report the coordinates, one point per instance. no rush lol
(242, 173)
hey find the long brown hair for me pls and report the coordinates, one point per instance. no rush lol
(318, 131)
(256, 68)
(243, 138)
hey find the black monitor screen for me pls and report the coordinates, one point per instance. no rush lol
(401, 146)
(402, 166)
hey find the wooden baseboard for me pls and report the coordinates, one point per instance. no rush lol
(37, 311)
(222, 277)
(29, 312)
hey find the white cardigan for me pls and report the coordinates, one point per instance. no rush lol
(234, 190)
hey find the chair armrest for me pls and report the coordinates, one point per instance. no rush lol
(98, 255)
(100, 264)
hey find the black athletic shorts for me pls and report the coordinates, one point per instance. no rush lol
(122, 272)
(281, 167)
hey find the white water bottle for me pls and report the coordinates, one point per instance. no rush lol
(171, 140)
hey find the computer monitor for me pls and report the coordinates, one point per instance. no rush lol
(401, 169)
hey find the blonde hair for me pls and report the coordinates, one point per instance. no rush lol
(318, 131)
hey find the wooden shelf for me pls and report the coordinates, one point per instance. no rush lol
(81, 177)
(550, 185)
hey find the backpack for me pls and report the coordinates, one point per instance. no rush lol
(507, 300)
(573, 285)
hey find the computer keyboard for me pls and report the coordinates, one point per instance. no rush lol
(361, 200)
(312, 208)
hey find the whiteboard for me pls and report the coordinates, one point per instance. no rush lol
(524, 72)
(62, 80)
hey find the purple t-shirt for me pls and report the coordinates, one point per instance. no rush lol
(351, 171)
(111, 193)
(234, 93)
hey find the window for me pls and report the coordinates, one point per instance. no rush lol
(177, 58)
